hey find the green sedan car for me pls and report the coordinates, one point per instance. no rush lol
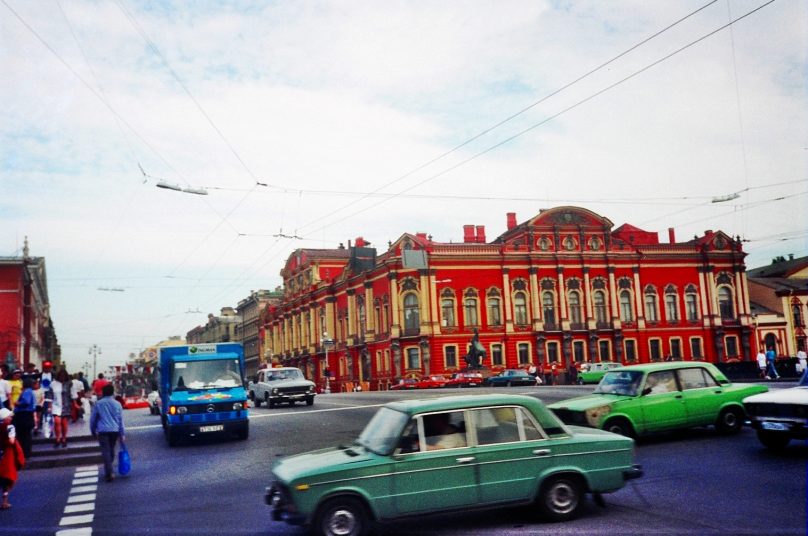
(449, 454)
(657, 397)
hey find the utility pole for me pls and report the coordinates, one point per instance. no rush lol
(94, 351)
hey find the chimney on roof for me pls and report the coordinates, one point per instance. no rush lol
(481, 234)
(671, 235)
(791, 256)
(511, 217)
(468, 234)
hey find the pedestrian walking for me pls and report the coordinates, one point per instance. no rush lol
(761, 361)
(76, 394)
(801, 361)
(770, 368)
(61, 407)
(12, 458)
(16, 388)
(24, 420)
(106, 423)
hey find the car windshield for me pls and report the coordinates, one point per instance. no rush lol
(287, 374)
(217, 373)
(622, 382)
(383, 431)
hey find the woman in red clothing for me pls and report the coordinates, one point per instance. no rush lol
(12, 458)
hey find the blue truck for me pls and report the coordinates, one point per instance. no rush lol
(202, 391)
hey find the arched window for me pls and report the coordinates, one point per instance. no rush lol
(796, 313)
(548, 307)
(520, 308)
(725, 303)
(575, 307)
(494, 308)
(626, 313)
(470, 317)
(599, 302)
(412, 318)
(447, 308)
(671, 304)
(651, 304)
(691, 304)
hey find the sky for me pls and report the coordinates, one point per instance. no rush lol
(310, 124)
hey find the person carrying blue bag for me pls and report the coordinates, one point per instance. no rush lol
(106, 423)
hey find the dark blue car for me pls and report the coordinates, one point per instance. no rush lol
(510, 377)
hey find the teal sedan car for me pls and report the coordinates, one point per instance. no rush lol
(657, 397)
(447, 454)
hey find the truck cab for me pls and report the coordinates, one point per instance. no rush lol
(202, 391)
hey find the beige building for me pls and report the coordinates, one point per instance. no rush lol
(220, 328)
(150, 356)
(779, 292)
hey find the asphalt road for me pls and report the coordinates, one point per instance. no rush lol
(696, 482)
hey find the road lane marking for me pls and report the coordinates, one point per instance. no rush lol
(81, 498)
(84, 489)
(274, 413)
(80, 531)
(76, 520)
(80, 507)
(80, 481)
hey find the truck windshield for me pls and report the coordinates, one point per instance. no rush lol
(216, 373)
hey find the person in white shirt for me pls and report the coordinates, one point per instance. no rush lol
(761, 361)
(801, 361)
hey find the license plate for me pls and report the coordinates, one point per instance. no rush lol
(212, 428)
(780, 427)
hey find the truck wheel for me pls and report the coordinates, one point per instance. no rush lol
(244, 433)
(560, 498)
(341, 516)
(310, 401)
(173, 437)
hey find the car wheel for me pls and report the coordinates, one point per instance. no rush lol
(773, 440)
(508, 384)
(271, 404)
(580, 381)
(341, 516)
(619, 426)
(730, 421)
(560, 498)
(310, 401)
(291, 403)
(257, 401)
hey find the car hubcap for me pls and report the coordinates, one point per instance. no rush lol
(342, 522)
(730, 419)
(562, 498)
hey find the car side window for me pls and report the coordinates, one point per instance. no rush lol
(695, 378)
(496, 425)
(445, 430)
(662, 381)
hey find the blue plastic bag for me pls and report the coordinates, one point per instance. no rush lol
(124, 461)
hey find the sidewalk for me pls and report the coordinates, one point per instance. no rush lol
(82, 448)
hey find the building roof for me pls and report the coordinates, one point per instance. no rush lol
(780, 268)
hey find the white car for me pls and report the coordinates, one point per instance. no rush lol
(780, 415)
(154, 402)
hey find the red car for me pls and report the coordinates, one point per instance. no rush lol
(431, 382)
(465, 379)
(405, 383)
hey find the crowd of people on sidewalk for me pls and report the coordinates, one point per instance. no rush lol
(34, 402)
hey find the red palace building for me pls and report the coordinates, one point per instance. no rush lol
(561, 288)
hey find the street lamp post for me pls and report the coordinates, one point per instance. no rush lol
(326, 342)
(94, 351)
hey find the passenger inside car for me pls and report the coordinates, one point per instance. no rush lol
(441, 433)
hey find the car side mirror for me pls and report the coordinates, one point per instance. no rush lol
(646, 391)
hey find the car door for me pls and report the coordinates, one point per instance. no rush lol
(511, 452)
(429, 477)
(702, 395)
(662, 403)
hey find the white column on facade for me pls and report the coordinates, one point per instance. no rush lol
(638, 300)
(395, 321)
(562, 296)
(351, 328)
(535, 292)
(425, 301)
(713, 290)
(370, 310)
(587, 290)
(506, 295)
(706, 311)
(613, 297)
(434, 300)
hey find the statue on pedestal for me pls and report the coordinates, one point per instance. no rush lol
(474, 358)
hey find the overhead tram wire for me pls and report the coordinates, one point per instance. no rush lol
(514, 115)
(549, 118)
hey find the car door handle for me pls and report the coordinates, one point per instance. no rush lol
(466, 459)
(542, 452)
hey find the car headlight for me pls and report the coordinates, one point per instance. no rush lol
(275, 391)
(593, 415)
(311, 388)
(238, 405)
